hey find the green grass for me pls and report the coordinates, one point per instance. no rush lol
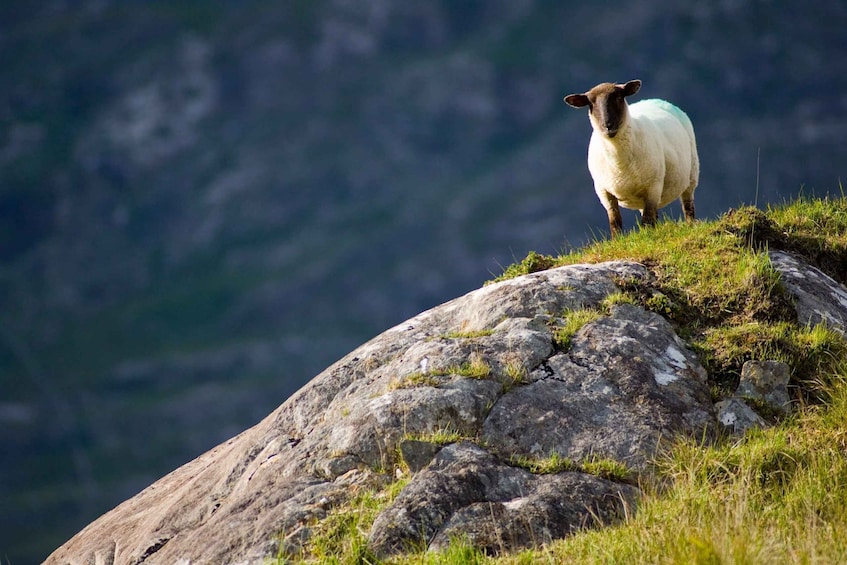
(774, 496)
(475, 368)
(603, 468)
(516, 371)
(714, 281)
(572, 322)
(341, 537)
(467, 334)
(813, 354)
(442, 436)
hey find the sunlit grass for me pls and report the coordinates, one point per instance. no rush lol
(341, 537)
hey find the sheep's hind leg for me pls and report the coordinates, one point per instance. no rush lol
(687, 200)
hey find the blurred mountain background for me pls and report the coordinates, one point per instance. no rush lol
(203, 204)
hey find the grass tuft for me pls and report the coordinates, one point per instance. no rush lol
(532, 263)
(442, 436)
(341, 537)
(601, 467)
(572, 321)
(467, 334)
(414, 380)
(476, 368)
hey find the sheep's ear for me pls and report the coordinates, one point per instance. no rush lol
(631, 87)
(577, 100)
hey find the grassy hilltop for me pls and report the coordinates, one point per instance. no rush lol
(774, 496)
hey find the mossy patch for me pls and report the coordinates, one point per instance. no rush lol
(532, 263)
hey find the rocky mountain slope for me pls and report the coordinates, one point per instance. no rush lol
(459, 408)
(203, 205)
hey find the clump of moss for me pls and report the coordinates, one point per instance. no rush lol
(532, 263)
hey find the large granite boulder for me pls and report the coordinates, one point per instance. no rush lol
(485, 370)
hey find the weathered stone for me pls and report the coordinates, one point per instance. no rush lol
(736, 417)
(766, 381)
(417, 454)
(545, 292)
(554, 506)
(482, 366)
(341, 432)
(468, 492)
(627, 382)
(819, 299)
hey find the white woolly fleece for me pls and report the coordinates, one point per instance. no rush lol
(653, 157)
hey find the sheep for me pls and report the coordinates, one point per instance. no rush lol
(641, 157)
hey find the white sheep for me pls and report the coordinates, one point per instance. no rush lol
(642, 156)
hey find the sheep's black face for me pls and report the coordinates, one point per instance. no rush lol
(608, 111)
(606, 105)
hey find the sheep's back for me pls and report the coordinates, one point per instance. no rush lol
(663, 114)
(665, 128)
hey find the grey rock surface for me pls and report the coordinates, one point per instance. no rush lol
(819, 298)
(766, 381)
(736, 417)
(483, 367)
(627, 383)
(467, 492)
(627, 373)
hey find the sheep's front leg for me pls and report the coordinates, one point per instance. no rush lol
(614, 212)
(650, 214)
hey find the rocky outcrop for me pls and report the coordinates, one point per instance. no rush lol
(818, 298)
(456, 401)
(468, 492)
(762, 382)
